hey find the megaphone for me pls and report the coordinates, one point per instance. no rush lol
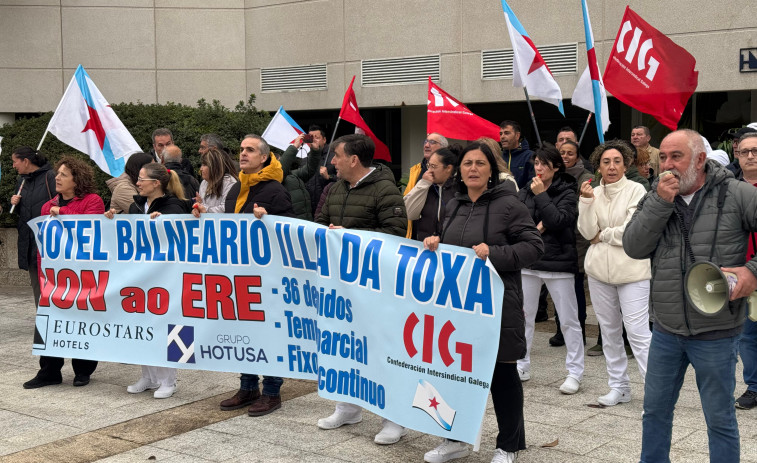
(708, 289)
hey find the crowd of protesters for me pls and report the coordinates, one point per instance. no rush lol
(632, 218)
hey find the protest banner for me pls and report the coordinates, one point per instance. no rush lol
(376, 320)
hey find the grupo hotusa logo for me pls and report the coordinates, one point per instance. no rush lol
(234, 348)
(181, 344)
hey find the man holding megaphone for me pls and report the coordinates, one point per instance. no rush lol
(695, 212)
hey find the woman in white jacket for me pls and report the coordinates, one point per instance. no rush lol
(619, 285)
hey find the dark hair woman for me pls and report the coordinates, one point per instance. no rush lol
(551, 201)
(75, 186)
(487, 216)
(124, 187)
(218, 176)
(425, 203)
(619, 285)
(34, 187)
(160, 192)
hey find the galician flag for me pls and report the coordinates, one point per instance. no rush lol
(84, 120)
(529, 68)
(428, 399)
(590, 92)
(282, 131)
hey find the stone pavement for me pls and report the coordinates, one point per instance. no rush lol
(101, 422)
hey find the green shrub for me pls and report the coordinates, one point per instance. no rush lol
(187, 124)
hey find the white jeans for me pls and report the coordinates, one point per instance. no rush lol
(161, 375)
(561, 286)
(615, 306)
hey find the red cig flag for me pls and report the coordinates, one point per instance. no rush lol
(648, 71)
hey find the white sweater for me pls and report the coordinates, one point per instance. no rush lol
(608, 213)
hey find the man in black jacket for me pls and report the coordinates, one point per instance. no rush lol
(173, 161)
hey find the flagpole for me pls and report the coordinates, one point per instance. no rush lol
(583, 132)
(333, 134)
(533, 119)
(42, 141)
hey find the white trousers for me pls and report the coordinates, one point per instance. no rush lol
(615, 306)
(161, 375)
(561, 286)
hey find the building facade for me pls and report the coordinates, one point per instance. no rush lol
(302, 54)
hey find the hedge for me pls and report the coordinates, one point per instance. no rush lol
(186, 122)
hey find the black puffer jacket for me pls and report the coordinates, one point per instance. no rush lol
(501, 221)
(374, 204)
(168, 204)
(557, 210)
(188, 180)
(39, 188)
(270, 195)
(296, 173)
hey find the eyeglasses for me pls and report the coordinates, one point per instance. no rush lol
(431, 142)
(140, 179)
(746, 152)
(433, 166)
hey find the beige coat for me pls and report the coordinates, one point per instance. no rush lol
(608, 213)
(122, 191)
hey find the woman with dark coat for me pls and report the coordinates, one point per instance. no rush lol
(35, 187)
(552, 203)
(426, 201)
(487, 216)
(76, 194)
(160, 192)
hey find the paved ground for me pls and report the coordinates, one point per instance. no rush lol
(101, 422)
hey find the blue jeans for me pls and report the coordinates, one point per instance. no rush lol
(714, 364)
(748, 351)
(271, 384)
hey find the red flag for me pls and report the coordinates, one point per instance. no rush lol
(649, 72)
(351, 113)
(447, 116)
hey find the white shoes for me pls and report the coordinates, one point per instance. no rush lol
(391, 433)
(500, 456)
(446, 451)
(142, 385)
(164, 391)
(570, 386)
(614, 398)
(524, 375)
(340, 418)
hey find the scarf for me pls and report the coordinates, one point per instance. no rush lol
(272, 171)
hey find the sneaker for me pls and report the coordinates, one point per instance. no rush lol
(340, 418)
(391, 433)
(36, 382)
(747, 401)
(557, 340)
(141, 386)
(446, 451)
(239, 400)
(595, 351)
(81, 380)
(614, 397)
(570, 386)
(500, 456)
(524, 375)
(264, 405)
(164, 391)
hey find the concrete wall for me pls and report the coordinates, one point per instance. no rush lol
(10, 275)
(183, 50)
